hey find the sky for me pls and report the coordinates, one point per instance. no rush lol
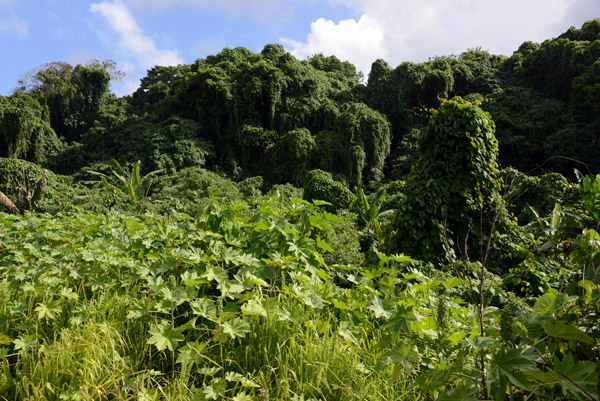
(139, 34)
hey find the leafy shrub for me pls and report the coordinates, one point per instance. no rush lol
(344, 238)
(320, 185)
(527, 279)
(170, 145)
(542, 193)
(250, 187)
(59, 194)
(193, 188)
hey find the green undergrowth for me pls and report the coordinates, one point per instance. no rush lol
(239, 303)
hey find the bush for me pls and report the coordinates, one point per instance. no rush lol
(541, 193)
(250, 187)
(60, 193)
(193, 188)
(320, 185)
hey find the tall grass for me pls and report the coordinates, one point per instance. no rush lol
(307, 358)
(88, 362)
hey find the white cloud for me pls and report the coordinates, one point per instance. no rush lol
(360, 42)
(14, 25)
(415, 30)
(131, 44)
(131, 39)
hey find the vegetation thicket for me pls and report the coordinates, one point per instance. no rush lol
(257, 227)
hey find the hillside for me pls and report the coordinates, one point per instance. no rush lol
(257, 227)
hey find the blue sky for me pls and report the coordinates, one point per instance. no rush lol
(139, 34)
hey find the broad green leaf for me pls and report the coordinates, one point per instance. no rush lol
(138, 310)
(177, 296)
(243, 380)
(5, 340)
(254, 307)
(209, 371)
(164, 336)
(215, 273)
(216, 390)
(231, 289)
(146, 394)
(324, 245)
(25, 343)
(549, 303)
(379, 309)
(341, 305)
(509, 366)
(460, 393)
(242, 397)
(583, 373)
(334, 218)
(562, 329)
(204, 307)
(236, 328)
(48, 310)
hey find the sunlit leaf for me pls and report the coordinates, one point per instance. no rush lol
(164, 336)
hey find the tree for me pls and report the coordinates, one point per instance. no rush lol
(24, 133)
(72, 95)
(452, 189)
(288, 160)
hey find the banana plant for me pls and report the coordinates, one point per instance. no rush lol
(28, 196)
(370, 214)
(133, 184)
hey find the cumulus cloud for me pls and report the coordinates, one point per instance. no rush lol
(360, 42)
(415, 30)
(14, 25)
(136, 50)
(131, 39)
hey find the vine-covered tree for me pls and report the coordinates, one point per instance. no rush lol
(72, 95)
(24, 133)
(452, 190)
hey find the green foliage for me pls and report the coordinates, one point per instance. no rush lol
(191, 189)
(19, 180)
(546, 109)
(541, 193)
(251, 187)
(169, 145)
(404, 94)
(289, 158)
(73, 96)
(28, 195)
(452, 189)
(209, 306)
(133, 184)
(210, 290)
(24, 132)
(258, 110)
(344, 239)
(371, 132)
(320, 185)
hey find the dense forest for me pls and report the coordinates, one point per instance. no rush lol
(257, 227)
